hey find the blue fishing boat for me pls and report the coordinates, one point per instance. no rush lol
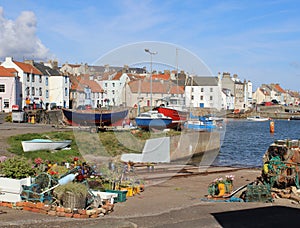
(203, 123)
(94, 117)
(153, 119)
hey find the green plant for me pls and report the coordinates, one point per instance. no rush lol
(78, 189)
(8, 118)
(17, 167)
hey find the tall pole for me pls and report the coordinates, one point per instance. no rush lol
(177, 71)
(151, 53)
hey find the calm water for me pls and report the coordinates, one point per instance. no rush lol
(245, 142)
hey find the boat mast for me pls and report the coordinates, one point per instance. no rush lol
(177, 71)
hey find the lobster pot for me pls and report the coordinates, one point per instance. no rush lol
(70, 200)
(258, 193)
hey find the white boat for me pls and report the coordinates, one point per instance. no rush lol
(257, 118)
(153, 119)
(44, 144)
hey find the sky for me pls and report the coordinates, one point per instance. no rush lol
(257, 40)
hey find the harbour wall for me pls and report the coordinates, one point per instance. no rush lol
(192, 145)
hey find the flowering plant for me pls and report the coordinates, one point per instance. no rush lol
(214, 187)
(229, 178)
(38, 161)
(218, 180)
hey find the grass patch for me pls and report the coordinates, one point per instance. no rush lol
(102, 144)
(57, 156)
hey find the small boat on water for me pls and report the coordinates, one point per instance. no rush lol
(153, 119)
(94, 117)
(203, 123)
(257, 118)
(44, 144)
(295, 118)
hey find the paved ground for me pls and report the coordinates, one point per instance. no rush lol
(174, 202)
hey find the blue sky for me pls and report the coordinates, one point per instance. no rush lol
(258, 40)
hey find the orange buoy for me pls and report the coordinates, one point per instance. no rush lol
(272, 127)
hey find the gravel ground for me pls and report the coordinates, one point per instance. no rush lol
(175, 202)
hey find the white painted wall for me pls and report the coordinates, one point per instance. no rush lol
(59, 90)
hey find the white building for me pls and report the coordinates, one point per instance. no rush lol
(85, 91)
(56, 86)
(248, 90)
(228, 99)
(114, 88)
(32, 81)
(10, 89)
(204, 92)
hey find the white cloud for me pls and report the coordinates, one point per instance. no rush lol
(18, 38)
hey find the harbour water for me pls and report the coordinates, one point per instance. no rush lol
(245, 142)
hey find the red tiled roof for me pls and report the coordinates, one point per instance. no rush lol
(78, 84)
(27, 68)
(161, 76)
(144, 86)
(73, 65)
(6, 72)
(134, 77)
(279, 89)
(177, 90)
(117, 76)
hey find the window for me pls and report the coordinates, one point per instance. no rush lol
(105, 84)
(192, 97)
(28, 78)
(2, 88)
(202, 90)
(47, 93)
(211, 98)
(211, 90)
(40, 92)
(40, 78)
(32, 91)
(6, 103)
(192, 89)
(66, 79)
(201, 98)
(27, 92)
(46, 81)
(113, 84)
(113, 92)
(66, 92)
(32, 77)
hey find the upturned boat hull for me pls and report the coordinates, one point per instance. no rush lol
(93, 118)
(41, 144)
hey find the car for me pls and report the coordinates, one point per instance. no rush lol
(84, 107)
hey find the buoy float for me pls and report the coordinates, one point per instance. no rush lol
(272, 126)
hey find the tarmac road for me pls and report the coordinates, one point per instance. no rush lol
(175, 202)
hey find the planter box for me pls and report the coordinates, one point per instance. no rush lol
(10, 189)
(121, 195)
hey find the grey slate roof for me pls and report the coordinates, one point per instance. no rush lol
(46, 70)
(203, 81)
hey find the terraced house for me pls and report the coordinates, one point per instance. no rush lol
(10, 89)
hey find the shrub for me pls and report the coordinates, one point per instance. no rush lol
(17, 167)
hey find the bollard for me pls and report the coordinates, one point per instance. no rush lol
(32, 120)
(272, 127)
